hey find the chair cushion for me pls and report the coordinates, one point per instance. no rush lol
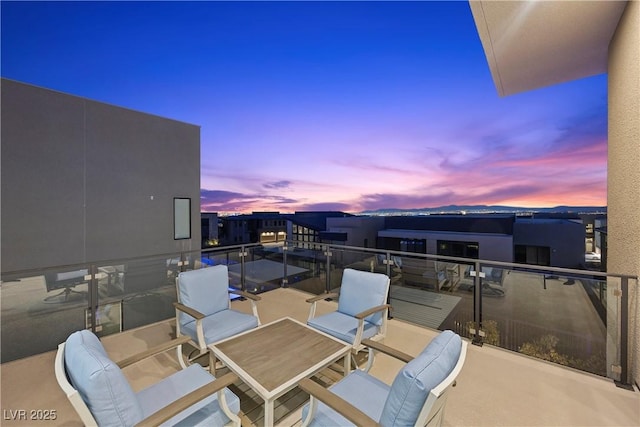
(362, 390)
(362, 290)
(413, 383)
(206, 290)
(206, 412)
(100, 382)
(342, 326)
(221, 325)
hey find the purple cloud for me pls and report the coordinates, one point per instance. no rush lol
(277, 185)
(229, 201)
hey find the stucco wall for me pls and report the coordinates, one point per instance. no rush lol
(564, 238)
(624, 163)
(494, 247)
(358, 229)
(84, 181)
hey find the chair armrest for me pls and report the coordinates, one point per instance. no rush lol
(388, 350)
(245, 294)
(188, 400)
(370, 311)
(153, 351)
(190, 311)
(323, 296)
(336, 403)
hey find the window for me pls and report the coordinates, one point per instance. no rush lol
(535, 255)
(459, 249)
(405, 245)
(181, 218)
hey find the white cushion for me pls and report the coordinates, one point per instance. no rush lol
(363, 391)
(221, 325)
(413, 383)
(100, 382)
(342, 326)
(206, 412)
(362, 290)
(205, 290)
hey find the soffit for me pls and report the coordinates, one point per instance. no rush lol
(533, 44)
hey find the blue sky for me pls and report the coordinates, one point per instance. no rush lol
(323, 105)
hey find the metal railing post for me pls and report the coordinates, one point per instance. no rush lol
(242, 254)
(624, 332)
(389, 262)
(93, 296)
(477, 304)
(328, 254)
(182, 264)
(285, 281)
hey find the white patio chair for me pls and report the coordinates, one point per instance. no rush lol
(101, 394)
(203, 310)
(362, 310)
(417, 396)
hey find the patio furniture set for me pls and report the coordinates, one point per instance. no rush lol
(271, 359)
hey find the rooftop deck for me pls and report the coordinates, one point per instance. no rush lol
(496, 387)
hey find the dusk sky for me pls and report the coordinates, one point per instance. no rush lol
(346, 106)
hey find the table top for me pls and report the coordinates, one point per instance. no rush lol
(272, 358)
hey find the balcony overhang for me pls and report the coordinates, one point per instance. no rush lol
(533, 44)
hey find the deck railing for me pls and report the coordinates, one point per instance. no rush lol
(578, 318)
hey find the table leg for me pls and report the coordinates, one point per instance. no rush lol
(268, 413)
(347, 363)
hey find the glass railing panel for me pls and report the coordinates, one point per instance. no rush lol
(40, 309)
(433, 292)
(354, 259)
(306, 269)
(148, 291)
(547, 315)
(231, 257)
(454, 300)
(261, 273)
(110, 280)
(613, 319)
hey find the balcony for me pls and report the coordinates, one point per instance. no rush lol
(499, 385)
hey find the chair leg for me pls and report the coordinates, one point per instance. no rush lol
(370, 358)
(181, 358)
(369, 362)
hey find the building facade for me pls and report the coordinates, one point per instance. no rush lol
(84, 181)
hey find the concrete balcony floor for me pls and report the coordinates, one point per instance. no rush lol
(496, 387)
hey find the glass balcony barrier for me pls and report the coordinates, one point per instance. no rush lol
(576, 318)
(47, 305)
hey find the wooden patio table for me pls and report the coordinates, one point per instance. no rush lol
(273, 358)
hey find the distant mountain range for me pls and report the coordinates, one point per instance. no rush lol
(484, 209)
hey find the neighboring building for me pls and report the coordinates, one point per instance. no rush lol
(494, 237)
(488, 237)
(84, 181)
(302, 228)
(360, 231)
(209, 229)
(555, 242)
(307, 228)
(550, 242)
(257, 227)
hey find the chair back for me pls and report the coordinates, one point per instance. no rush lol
(95, 386)
(72, 394)
(361, 290)
(205, 289)
(418, 393)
